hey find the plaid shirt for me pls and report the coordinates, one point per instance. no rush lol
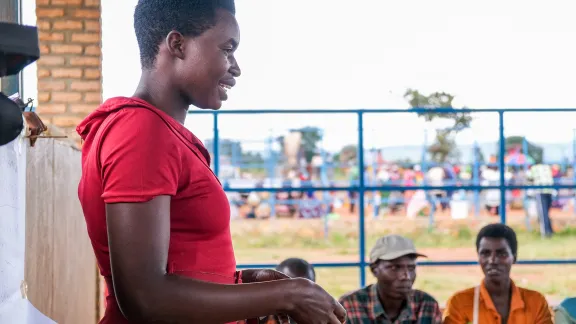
(364, 307)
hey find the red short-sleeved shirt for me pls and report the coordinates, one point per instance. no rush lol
(134, 152)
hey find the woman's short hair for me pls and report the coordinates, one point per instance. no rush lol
(154, 19)
(498, 230)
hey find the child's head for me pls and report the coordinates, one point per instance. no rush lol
(297, 268)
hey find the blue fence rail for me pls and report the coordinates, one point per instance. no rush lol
(362, 188)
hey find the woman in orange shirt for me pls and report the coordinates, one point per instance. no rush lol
(497, 299)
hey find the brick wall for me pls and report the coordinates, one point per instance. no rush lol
(69, 70)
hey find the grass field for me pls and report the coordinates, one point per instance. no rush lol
(266, 241)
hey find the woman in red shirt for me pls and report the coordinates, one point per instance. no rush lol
(157, 216)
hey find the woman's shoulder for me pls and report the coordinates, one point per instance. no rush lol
(532, 297)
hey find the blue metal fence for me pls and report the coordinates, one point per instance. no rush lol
(362, 188)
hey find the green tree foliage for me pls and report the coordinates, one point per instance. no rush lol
(444, 146)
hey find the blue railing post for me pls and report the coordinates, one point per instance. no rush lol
(574, 166)
(216, 146)
(476, 179)
(502, 167)
(524, 193)
(361, 225)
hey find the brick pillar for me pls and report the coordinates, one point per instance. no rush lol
(69, 70)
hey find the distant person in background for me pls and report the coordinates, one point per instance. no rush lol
(497, 299)
(541, 175)
(565, 313)
(435, 177)
(392, 299)
(491, 177)
(297, 268)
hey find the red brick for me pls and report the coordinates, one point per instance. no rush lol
(43, 25)
(85, 61)
(49, 12)
(47, 85)
(92, 74)
(86, 86)
(93, 50)
(51, 60)
(67, 73)
(66, 49)
(89, 38)
(51, 108)
(92, 3)
(93, 97)
(67, 25)
(42, 2)
(47, 37)
(66, 120)
(66, 97)
(43, 73)
(92, 25)
(43, 97)
(44, 49)
(83, 109)
(66, 2)
(86, 13)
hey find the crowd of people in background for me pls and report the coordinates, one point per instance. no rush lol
(393, 300)
(402, 199)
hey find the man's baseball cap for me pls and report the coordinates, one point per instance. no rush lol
(392, 247)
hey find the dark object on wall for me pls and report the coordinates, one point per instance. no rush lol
(11, 123)
(18, 48)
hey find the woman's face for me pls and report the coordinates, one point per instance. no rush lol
(208, 67)
(496, 258)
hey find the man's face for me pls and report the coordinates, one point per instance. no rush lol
(396, 277)
(495, 258)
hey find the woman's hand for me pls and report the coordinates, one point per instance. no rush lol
(310, 304)
(261, 275)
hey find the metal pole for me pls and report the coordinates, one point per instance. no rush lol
(362, 227)
(476, 180)
(524, 195)
(574, 168)
(502, 168)
(271, 170)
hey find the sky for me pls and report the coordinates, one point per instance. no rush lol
(364, 54)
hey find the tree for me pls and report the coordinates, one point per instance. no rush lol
(348, 153)
(444, 146)
(310, 138)
(534, 151)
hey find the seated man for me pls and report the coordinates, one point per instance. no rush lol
(565, 313)
(297, 268)
(392, 299)
(497, 299)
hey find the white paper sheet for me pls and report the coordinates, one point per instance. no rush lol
(14, 308)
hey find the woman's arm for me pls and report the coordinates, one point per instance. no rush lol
(139, 235)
